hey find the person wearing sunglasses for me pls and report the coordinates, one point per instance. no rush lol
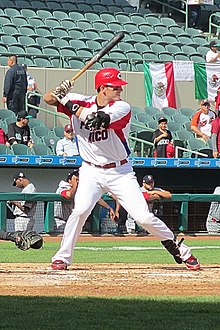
(67, 146)
(201, 122)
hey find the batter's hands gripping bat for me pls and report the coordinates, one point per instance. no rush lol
(112, 43)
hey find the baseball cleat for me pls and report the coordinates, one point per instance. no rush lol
(192, 263)
(59, 265)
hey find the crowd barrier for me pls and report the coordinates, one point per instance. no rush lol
(44, 218)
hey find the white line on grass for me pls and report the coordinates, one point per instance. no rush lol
(138, 248)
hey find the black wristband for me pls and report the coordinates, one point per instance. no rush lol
(73, 107)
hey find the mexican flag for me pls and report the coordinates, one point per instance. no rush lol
(159, 85)
(207, 80)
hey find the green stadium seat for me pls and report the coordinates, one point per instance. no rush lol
(169, 111)
(122, 18)
(99, 25)
(168, 21)
(27, 31)
(61, 32)
(152, 20)
(180, 118)
(59, 132)
(19, 4)
(52, 22)
(203, 50)
(176, 30)
(51, 142)
(197, 58)
(141, 47)
(137, 18)
(67, 51)
(41, 131)
(181, 57)
(157, 115)
(143, 117)
(153, 124)
(152, 110)
(184, 135)
(118, 54)
(110, 63)
(8, 40)
(26, 41)
(84, 7)
(76, 33)
(185, 40)
(60, 14)
(93, 45)
(188, 49)
(16, 49)
(38, 4)
(9, 10)
(54, 5)
(189, 112)
(33, 122)
(150, 56)
(76, 63)
(33, 50)
(196, 144)
(4, 150)
(166, 57)
(68, 24)
(107, 17)
(41, 150)
(43, 42)
(77, 44)
(43, 13)
(59, 43)
(76, 15)
(84, 24)
(3, 59)
(173, 49)
(20, 149)
(5, 113)
(19, 21)
(200, 41)
(173, 127)
(157, 48)
(42, 62)
(154, 38)
(92, 16)
(162, 29)
(28, 12)
(193, 32)
(50, 51)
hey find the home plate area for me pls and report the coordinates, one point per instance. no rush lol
(107, 280)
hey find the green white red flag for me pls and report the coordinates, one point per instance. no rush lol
(159, 85)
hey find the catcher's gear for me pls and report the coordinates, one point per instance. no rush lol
(62, 89)
(97, 120)
(27, 239)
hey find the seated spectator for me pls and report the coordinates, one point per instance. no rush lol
(163, 141)
(32, 98)
(67, 146)
(213, 56)
(194, 16)
(4, 138)
(201, 122)
(19, 132)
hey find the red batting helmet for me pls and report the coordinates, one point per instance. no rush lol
(109, 77)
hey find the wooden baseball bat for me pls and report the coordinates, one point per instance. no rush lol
(112, 43)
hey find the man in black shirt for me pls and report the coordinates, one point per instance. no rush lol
(19, 132)
(15, 86)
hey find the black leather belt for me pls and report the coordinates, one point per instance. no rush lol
(110, 165)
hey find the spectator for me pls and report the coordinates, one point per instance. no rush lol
(215, 137)
(24, 211)
(151, 194)
(67, 189)
(4, 138)
(217, 100)
(19, 132)
(15, 86)
(202, 121)
(213, 56)
(194, 15)
(32, 99)
(67, 146)
(213, 218)
(162, 139)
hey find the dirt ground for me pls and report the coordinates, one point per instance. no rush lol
(106, 280)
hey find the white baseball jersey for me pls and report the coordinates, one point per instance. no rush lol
(101, 146)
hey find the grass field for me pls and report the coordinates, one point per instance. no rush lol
(149, 251)
(126, 313)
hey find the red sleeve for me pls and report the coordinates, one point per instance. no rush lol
(146, 196)
(63, 193)
(215, 126)
(121, 123)
(217, 102)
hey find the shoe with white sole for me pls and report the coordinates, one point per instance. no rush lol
(59, 265)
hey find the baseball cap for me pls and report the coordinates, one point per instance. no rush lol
(71, 174)
(161, 119)
(23, 114)
(148, 178)
(68, 128)
(205, 102)
(109, 77)
(214, 43)
(17, 176)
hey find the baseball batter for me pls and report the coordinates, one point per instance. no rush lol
(102, 124)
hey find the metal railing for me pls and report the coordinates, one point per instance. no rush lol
(211, 24)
